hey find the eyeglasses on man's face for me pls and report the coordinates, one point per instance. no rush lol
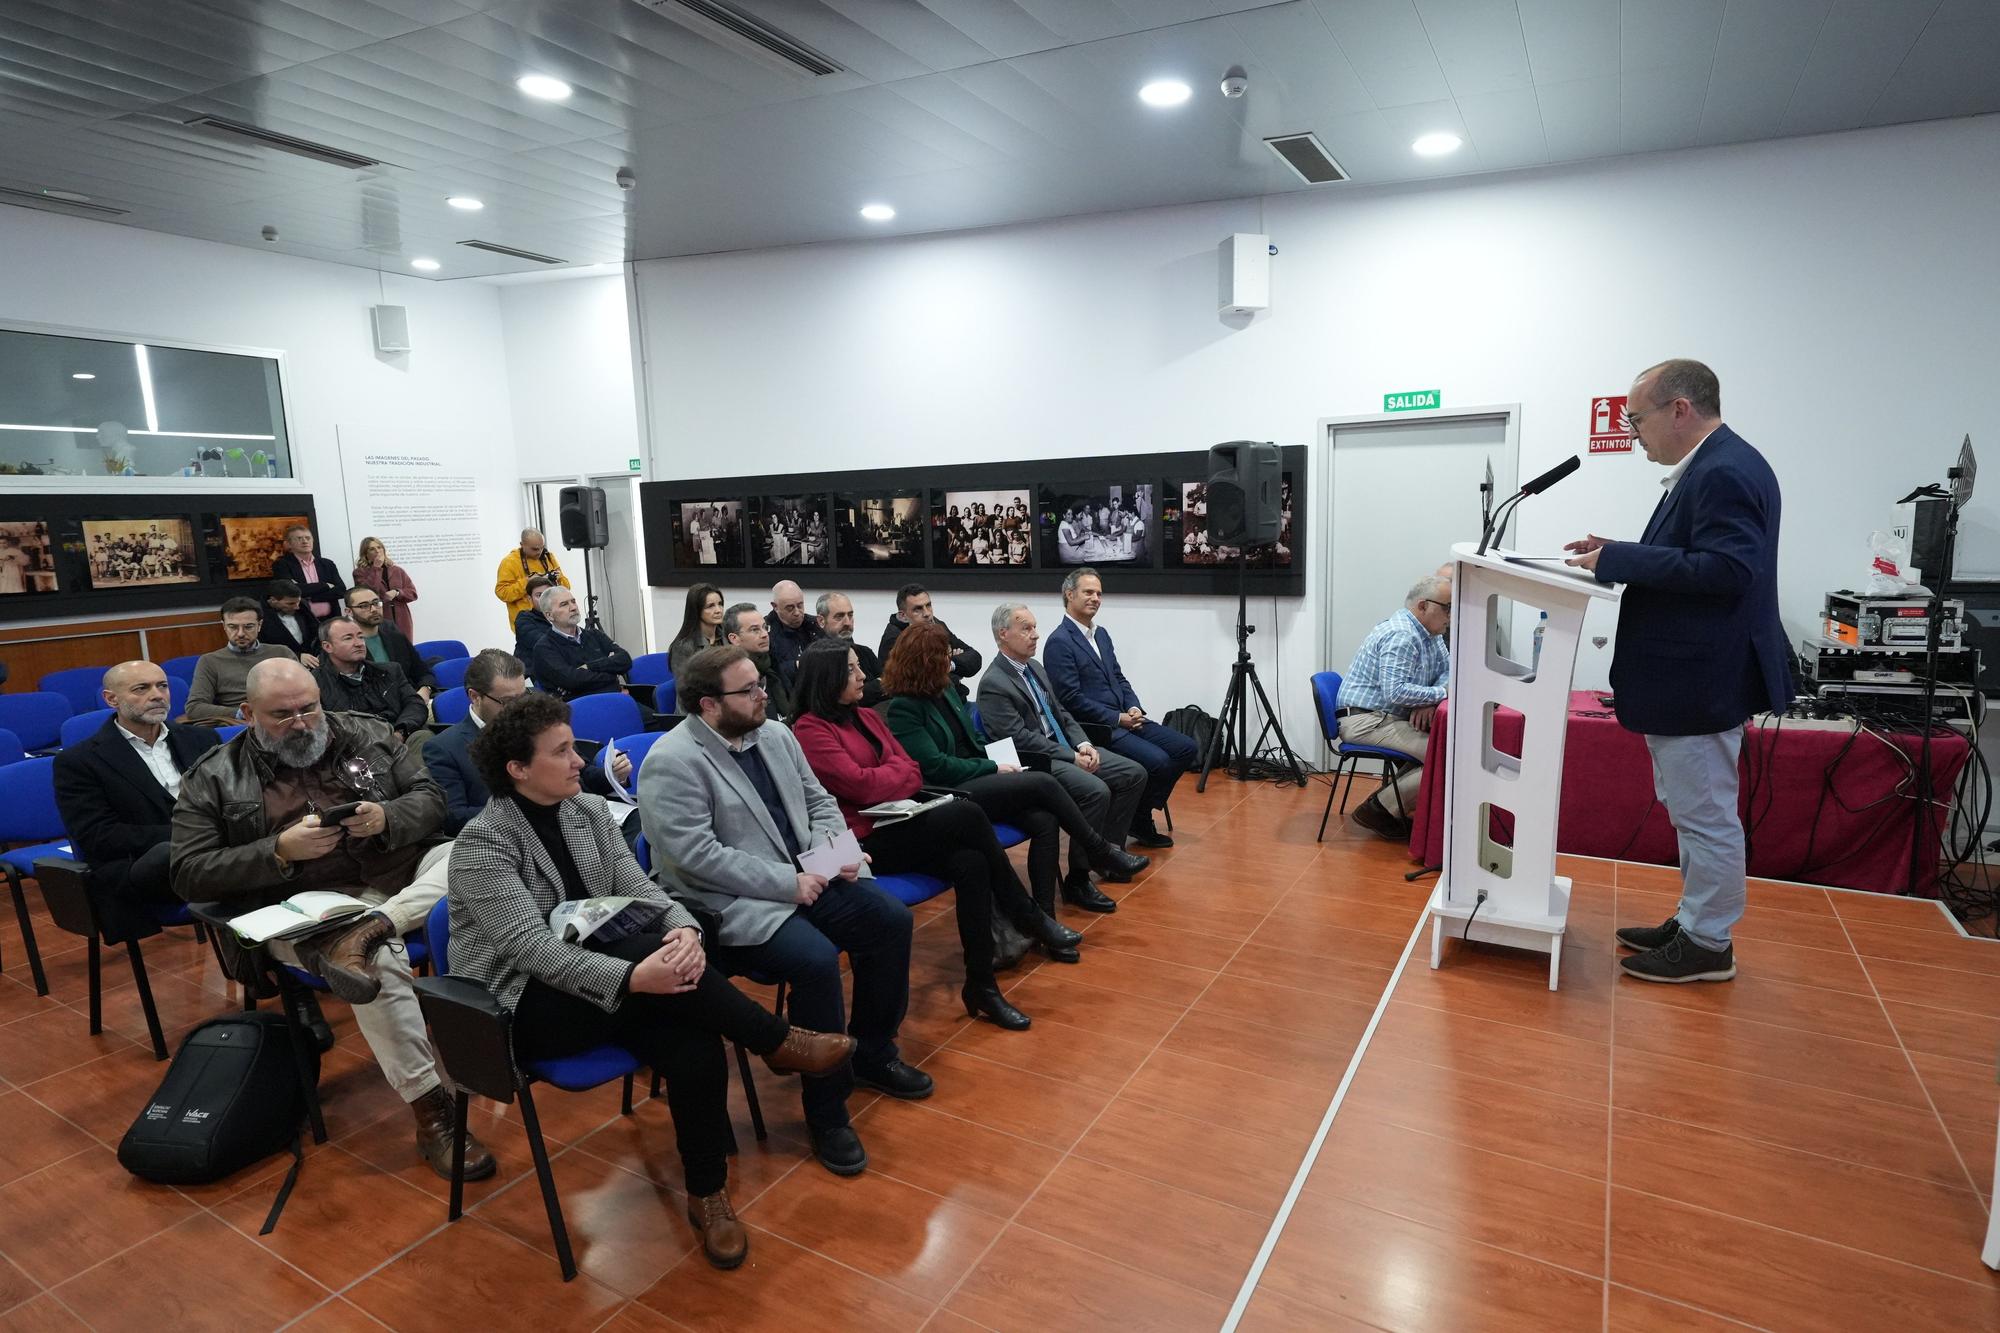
(284, 717)
(752, 691)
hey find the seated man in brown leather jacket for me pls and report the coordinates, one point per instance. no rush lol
(247, 832)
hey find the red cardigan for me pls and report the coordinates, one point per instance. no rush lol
(846, 764)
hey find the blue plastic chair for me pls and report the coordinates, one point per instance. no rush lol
(474, 1039)
(82, 686)
(601, 717)
(651, 669)
(636, 746)
(450, 673)
(11, 749)
(177, 696)
(442, 648)
(1009, 835)
(912, 888)
(28, 814)
(181, 668)
(36, 717)
(449, 706)
(226, 734)
(79, 727)
(1348, 757)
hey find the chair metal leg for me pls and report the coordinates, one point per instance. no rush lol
(27, 932)
(1352, 768)
(145, 986)
(95, 968)
(1169, 816)
(1332, 788)
(625, 1102)
(657, 1084)
(750, 1091)
(459, 1105)
(200, 933)
(547, 1177)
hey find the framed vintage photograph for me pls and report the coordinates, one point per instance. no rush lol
(1189, 545)
(1092, 524)
(27, 558)
(708, 534)
(140, 552)
(789, 532)
(981, 528)
(251, 542)
(880, 530)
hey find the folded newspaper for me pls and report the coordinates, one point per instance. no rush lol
(890, 812)
(601, 921)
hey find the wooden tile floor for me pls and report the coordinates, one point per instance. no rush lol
(1505, 1156)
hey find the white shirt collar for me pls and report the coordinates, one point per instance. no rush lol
(1674, 473)
(1089, 631)
(131, 736)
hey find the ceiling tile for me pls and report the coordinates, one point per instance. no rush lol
(1479, 44)
(1570, 39)
(1504, 129)
(1385, 42)
(1580, 117)
(1663, 34)
(1758, 59)
(1953, 70)
(1661, 108)
(1858, 48)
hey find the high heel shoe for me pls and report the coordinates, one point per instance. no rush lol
(988, 1003)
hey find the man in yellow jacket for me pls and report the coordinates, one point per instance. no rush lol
(510, 583)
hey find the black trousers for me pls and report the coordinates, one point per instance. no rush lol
(955, 842)
(1039, 805)
(678, 1036)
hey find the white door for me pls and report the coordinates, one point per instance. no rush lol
(1401, 493)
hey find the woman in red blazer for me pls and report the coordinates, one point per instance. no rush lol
(857, 760)
(391, 582)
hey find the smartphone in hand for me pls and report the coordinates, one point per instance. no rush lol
(335, 814)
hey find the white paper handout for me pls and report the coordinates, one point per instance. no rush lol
(1002, 751)
(618, 792)
(826, 859)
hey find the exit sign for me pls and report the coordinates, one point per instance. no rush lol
(632, 464)
(1416, 400)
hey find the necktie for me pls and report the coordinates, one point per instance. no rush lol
(1049, 723)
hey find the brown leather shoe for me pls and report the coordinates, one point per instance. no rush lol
(723, 1239)
(342, 960)
(810, 1053)
(433, 1111)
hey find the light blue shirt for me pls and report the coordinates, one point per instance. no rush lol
(1400, 666)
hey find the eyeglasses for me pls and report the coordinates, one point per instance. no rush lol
(1632, 419)
(1434, 602)
(284, 717)
(363, 606)
(747, 689)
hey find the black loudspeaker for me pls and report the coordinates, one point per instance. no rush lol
(1243, 493)
(586, 525)
(1927, 527)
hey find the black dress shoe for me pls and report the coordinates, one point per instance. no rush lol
(1118, 865)
(1082, 893)
(1371, 815)
(1679, 960)
(1147, 834)
(988, 1003)
(1052, 932)
(1649, 937)
(839, 1150)
(895, 1078)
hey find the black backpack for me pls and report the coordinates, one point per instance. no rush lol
(231, 1097)
(1191, 722)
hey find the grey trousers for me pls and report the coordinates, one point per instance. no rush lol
(1108, 798)
(1695, 777)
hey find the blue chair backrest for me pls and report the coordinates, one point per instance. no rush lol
(650, 669)
(642, 851)
(177, 696)
(11, 749)
(82, 686)
(636, 746)
(446, 648)
(229, 732)
(450, 674)
(451, 706)
(1326, 701)
(36, 717)
(437, 934)
(600, 717)
(78, 727)
(28, 801)
(181, 668)
(973, 709)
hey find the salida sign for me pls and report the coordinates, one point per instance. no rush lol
(1609, 431)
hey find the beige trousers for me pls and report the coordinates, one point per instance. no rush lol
(1392, 733)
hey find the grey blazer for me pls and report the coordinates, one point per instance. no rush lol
(503, 885)
(1007, 709)
(711, 833)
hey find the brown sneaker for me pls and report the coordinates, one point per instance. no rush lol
(723, 1239)
(434, 1116)
(342, 960)
(810, 1053)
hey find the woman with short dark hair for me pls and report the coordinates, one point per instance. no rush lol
(541, 842)
(701, 627)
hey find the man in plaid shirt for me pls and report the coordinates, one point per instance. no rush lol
(1391, 692)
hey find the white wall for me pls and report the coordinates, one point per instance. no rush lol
(448, 398)
(1844, 288)
(569, 376)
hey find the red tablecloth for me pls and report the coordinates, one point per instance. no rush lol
(1853, 833)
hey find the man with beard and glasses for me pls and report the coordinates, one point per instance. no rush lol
(385, 643)
(217, 690)
(247, 832)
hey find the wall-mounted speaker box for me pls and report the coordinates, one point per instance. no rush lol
(586, 524)
(1245, 271)
(1243, 500)
(392, 328)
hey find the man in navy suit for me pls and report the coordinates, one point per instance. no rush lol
(115, 791)
(1700, 649)
(1090, 683)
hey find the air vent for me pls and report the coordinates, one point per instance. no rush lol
(38, 199)
(284, 143)
(495, 248)
(744, 35)
(1307, 158)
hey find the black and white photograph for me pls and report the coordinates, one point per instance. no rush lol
(789, 532)
(1186, 533)
(882, 531)
(140, 552)
(981, 527)
(27, 560)
(1110, 524)
(709, 533)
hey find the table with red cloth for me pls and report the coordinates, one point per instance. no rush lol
(1821, 805)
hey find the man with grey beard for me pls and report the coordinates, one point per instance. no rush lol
(247, 832)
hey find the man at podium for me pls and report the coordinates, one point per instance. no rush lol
(1699, 650)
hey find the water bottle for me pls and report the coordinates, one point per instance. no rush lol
(1541, 626)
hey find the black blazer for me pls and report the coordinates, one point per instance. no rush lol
(274, 631)
(403, 653)
(448, 756)
(322, 582)
(115, 811)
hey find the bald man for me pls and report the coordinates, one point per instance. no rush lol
(792, 630)
(510, 582)
(116, 789)
(248, 832)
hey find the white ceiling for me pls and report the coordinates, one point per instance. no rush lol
(959, 113)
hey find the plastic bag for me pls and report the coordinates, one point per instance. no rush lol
(1889, 572)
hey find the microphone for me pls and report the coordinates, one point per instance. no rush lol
(1535, 487)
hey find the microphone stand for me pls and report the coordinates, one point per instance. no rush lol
(1925, 794)
(1497, 525)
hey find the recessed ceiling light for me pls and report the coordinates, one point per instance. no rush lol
(1436, 145)
(424, 265)
(1165, 92)
(877, 212)
(83, 375)
(466, 203)
(543, 86)
(67, 196)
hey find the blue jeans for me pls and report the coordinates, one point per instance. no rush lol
(1695, 778)
(874, 930)
(1165, 753)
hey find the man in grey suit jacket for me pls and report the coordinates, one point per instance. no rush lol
(1017, 700)
(728, 803)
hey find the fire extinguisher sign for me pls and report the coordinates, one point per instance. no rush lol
(1609, 431)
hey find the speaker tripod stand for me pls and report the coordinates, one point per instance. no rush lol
(1234, 721)
(590, 619)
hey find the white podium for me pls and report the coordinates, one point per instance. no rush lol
(1507, 894)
